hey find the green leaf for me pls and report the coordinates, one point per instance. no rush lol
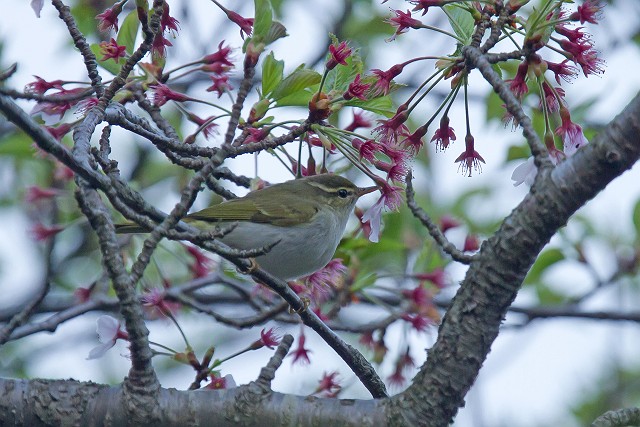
(381, 105)
(271, 74)
(461, 21)
(548, 296)
(262, 21)
(636, 219)
(517, 152)
(129, 31)
(16, 145)
(298, 80)
(277, 31)
(297, 99)
(339, 78)
(109, 65)
(546, 259)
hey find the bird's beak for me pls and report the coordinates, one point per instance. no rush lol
(366, 190)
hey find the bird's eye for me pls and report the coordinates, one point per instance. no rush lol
(342, 193)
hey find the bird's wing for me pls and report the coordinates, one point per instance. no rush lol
(250, 209)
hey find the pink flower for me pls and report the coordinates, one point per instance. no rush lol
(518, 84)
(389, 131)
(40, 86)
(551, 96)
(85, 105)
(41, 232)
(338, 55)
(109, 18)
(469, 159)
(584, 55)
(366, 149)
(414, 142)
(109, 331)
(162, 93)
(424, 5)
(575, 35)
(391, 199)
(447, 223)
(444, 135)
(35, 193)
(589, 11)
(301, 354)
(268, 338)
(58, 132)
(356, 89)
(402, 22)
(320, 284)
(159, 45)
(202, 264)
(209, 128)
(329, 385)
(112, 50)
(417, 321)
(383, 84)
(167, 22)
(563, 69)
(220, 383)
(154, 300)
(572, 136)
(220, 85)
(471, 243)
(418, 296)
(437, 277)
(359, 121)
(245, 24)
(221, 56)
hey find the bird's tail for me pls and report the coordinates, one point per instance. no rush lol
(130, 227)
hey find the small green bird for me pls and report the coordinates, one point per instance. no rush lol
(306, 216)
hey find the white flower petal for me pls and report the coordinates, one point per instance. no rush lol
(107, 329)
(525, 172)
